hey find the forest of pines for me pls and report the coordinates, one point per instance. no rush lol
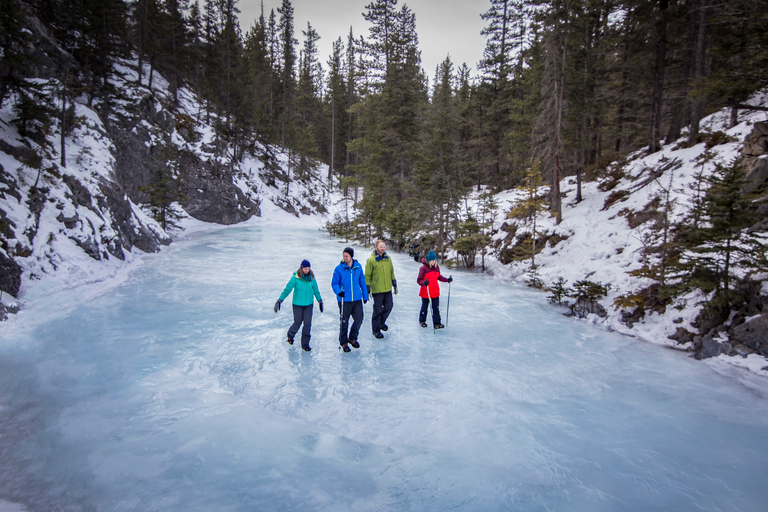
(563, 85)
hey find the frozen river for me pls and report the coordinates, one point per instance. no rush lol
(177, 392)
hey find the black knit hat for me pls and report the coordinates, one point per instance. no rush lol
(349, 251)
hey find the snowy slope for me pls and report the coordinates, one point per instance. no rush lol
(602, 247)
(72, 243)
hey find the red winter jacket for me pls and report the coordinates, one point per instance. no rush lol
(431, 274)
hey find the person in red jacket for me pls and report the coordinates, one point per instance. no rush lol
(429, 275)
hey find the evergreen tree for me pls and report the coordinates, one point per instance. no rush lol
(14, 40)
(336, 99)
(308, 123)
(530, 205)
(164, 190)
(287, 66)
(257, 78)
(720, 249)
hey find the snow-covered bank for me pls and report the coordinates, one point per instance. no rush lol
(78, 223)
(599, 243)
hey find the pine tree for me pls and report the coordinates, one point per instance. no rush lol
(14, 40)
(531, 205)
(336, 99)
(287, 66)
(720, 249)
(164, 190)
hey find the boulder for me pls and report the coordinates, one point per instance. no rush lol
(711, 317)
(756, 143)
(752, 334)
(755, 164)
(682, 336)
(584, 307)
(709, 347)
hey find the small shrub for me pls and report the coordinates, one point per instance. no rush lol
(557, 291)
(534, 281)
(589, 290)
(629, 300)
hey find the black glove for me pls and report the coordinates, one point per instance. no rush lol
(368, 288)
(277, 305)
(426, 282)
(394, 285)
(321, 306)
(341, 293)
(365, 302)
(450, 279)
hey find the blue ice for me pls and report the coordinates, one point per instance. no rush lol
(177, 392)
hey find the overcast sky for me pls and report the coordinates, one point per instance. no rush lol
(444, 26)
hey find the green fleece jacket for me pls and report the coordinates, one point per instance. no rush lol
(304, 289)
(379, 273)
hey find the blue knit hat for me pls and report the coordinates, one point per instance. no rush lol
(305, 264)
(431, 256)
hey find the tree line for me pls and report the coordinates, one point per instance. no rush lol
(566, 85)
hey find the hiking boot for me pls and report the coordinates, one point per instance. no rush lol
(290, 341)
(439, 326)
(307, 349)
(384, 327)
(354, 343)
(423, 324)
(378, 335)
(346, 348)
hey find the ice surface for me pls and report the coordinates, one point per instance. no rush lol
(177, 391)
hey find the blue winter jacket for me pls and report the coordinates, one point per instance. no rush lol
(351, 280)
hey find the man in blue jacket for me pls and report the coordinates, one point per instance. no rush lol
(348, 283)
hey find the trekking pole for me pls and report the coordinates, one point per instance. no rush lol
(448, 307)
(432, 305)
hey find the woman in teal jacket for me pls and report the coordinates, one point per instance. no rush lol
(305, 290)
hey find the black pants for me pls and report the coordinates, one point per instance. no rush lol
(355, 309)
(301, 314)
(382, 307)
(435, 310)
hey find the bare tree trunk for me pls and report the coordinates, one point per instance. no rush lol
(63, 127)
(556, 200)
(701, 47)
(333, 139)
(658, 81)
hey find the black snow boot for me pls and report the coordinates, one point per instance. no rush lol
(384, 328)
(290, 341)
(439, 326)
(354, 343)
(423, 324)
(346, 348)
(378, 335)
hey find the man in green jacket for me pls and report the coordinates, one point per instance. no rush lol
(380, 276)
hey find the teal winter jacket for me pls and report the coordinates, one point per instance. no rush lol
(304, 289)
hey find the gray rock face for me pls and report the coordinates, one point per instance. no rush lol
(755, 162)
(207, 193)
(10, 275)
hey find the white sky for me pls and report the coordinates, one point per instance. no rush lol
(444, 26)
